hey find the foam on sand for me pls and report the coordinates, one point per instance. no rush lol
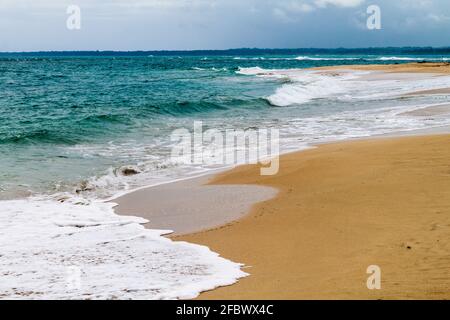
(52, 250)
(430, 111)
(42, 240)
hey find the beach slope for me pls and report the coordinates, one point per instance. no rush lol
(343, 207)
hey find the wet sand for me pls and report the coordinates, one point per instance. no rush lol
(431, 111)
(341, 208)
(443, 91)
(191, 205)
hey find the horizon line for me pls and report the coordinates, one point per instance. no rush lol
(233, 49)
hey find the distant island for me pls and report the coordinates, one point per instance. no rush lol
(240, 51)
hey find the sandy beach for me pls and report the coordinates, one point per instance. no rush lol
(439, 68)
(341, 208)
(221, 150)
(312, 230)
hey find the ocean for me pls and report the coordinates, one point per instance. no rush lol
(71, 123)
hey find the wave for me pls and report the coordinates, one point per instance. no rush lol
(190, 107)
(307, 87)
(410, 59)
(252, 71)
(301, 86)
(326, 59)
(343, 58)
(391, 58)
(66, 233)
(60, 136)
(264, 58)
(96, 124)
(299, 58)
(38, 136)
(399, 59)
(209, 69)
(105, 118)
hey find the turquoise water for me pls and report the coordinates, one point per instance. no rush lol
(70, 125)
(66, 121)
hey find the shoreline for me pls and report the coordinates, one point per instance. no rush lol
(413, 67)
(244, 236)
(233, 236)
(286, 246)
(215, 240)
(191, 205)
(350, 187)
(134, 202)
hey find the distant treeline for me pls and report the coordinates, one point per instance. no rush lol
(240, 52)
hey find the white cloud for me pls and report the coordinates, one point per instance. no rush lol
(299, 6)
(414, 4)
(289, 10)
(108, 3)
(338, 3)
(438, 18)
(296, 5)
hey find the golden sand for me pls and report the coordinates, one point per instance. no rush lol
(442, 67)
(341, 208)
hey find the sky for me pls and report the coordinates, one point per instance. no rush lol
(41, 25)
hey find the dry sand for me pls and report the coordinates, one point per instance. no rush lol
(438, 68)
(341, 208)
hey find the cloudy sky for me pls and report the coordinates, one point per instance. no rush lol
(31, 25)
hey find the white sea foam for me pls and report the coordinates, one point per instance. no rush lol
(41, 240)
(410, 59)
(325, 58)
(343, 58)
(253, 71)
(356, 124)
(308, 86)
(297, 87)
(370, 58)
(298, 58)
(210, 69)
(305, 85)
(42, 243)
(400, 59)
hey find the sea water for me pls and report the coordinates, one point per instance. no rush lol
(69, 125)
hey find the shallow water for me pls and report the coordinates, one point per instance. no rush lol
(69, 125)
(71, 121)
